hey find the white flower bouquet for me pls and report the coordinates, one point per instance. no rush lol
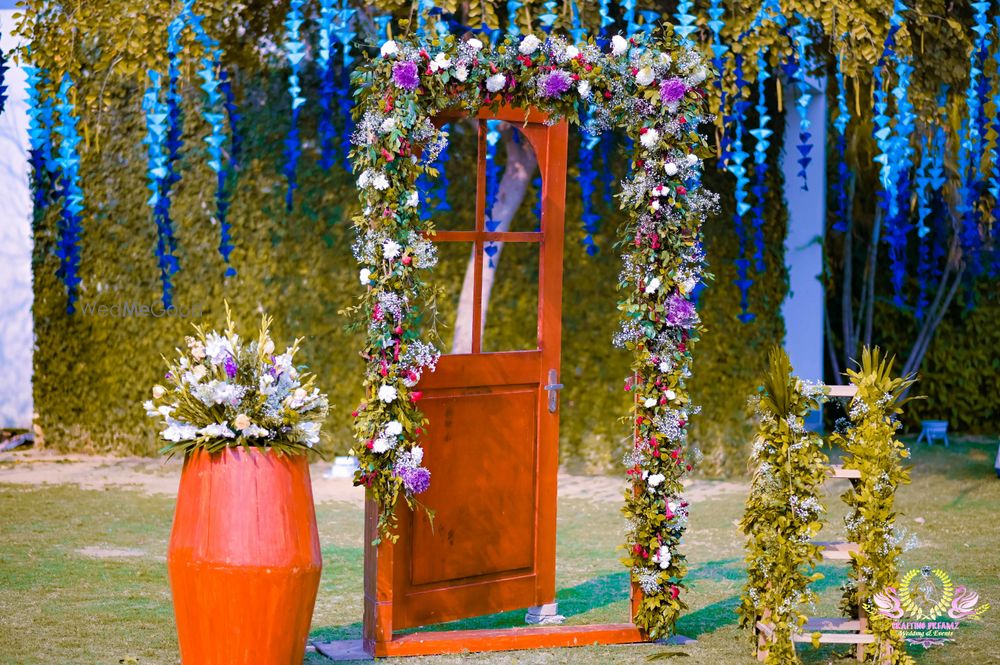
(223, 391)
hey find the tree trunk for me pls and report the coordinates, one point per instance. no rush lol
(517, 175)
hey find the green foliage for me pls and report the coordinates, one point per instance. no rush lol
(783, 510)
(872, 448)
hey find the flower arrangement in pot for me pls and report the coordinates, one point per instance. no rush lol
(244, 544)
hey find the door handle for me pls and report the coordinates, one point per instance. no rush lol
(553, 388)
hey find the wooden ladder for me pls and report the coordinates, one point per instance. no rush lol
(832, 630)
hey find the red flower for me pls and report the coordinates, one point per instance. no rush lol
(416, 395)
(682, 120)
(674, 592)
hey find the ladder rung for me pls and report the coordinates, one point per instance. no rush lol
(836, 638)
(765, 628)
(837, 551)
(838, 471)
(850, 390)
(826, 624)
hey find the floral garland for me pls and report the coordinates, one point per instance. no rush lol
(870, 443)
(655, 95)
(784, 508)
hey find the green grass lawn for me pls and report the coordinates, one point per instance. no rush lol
(63, 603)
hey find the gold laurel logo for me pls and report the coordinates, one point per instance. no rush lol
(926, 594)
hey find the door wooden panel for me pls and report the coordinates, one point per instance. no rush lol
(491, 446)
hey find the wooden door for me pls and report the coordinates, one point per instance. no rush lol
(491, 444)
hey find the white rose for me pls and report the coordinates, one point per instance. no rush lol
(158, 391)
(670, 394)
(650, 402)
(663, 556)
(413, 199)
(389, 48)
(618, 45)
(417, 455)
(388, 125)
(380, 445)
(365, 276)
(655, 205)
(390, 249)
(394, 428)
(699, 75)
(241, 422)
(655, 479)
(692, 159)
(387, 394)
(653, 285)
(364, 179)
(665, 59)
(687, 286)
(440, 62)
(583, 87)
(475, 44)
(649, 139)
(572, 52)
(671, 169)
(664, 366)
(496, 82)
(461, 73)
(529, 45)
(380, 182)
(644, 76)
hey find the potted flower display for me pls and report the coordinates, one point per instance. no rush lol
(244, 558)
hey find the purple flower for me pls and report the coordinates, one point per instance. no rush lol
(415, 480)
(672, 90)
(230, 366)
(554, 83)
(681, 312)
(405, 75)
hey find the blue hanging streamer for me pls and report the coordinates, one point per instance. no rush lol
(578, 32)
(923, 181)
(513, 9)
(234, 117)
(720, 52)
(492, 183)
(762, 135)
(327, 83)
(840, 125)
(736, 167)
(3, 81)
(70, 224)
(901, 155)
(215, 112)
(604, 11)
(295, 51)
(882, 124)
(40, 124)
(800, 37)
(971, 145)
(994, 186)
(441, 183)
(686, 22)
(157, 172)
(345, 100)
(588, 177)
(549, 15)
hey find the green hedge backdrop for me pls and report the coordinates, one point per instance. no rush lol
(92, 372)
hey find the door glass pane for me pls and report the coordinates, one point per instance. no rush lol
(510, 298)
(454, 316)
(450, 199)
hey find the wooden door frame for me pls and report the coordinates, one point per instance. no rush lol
(378, 639)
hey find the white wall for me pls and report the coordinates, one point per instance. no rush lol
(803, 308)
(16, 333)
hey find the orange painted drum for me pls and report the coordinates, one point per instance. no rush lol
(244, 558)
